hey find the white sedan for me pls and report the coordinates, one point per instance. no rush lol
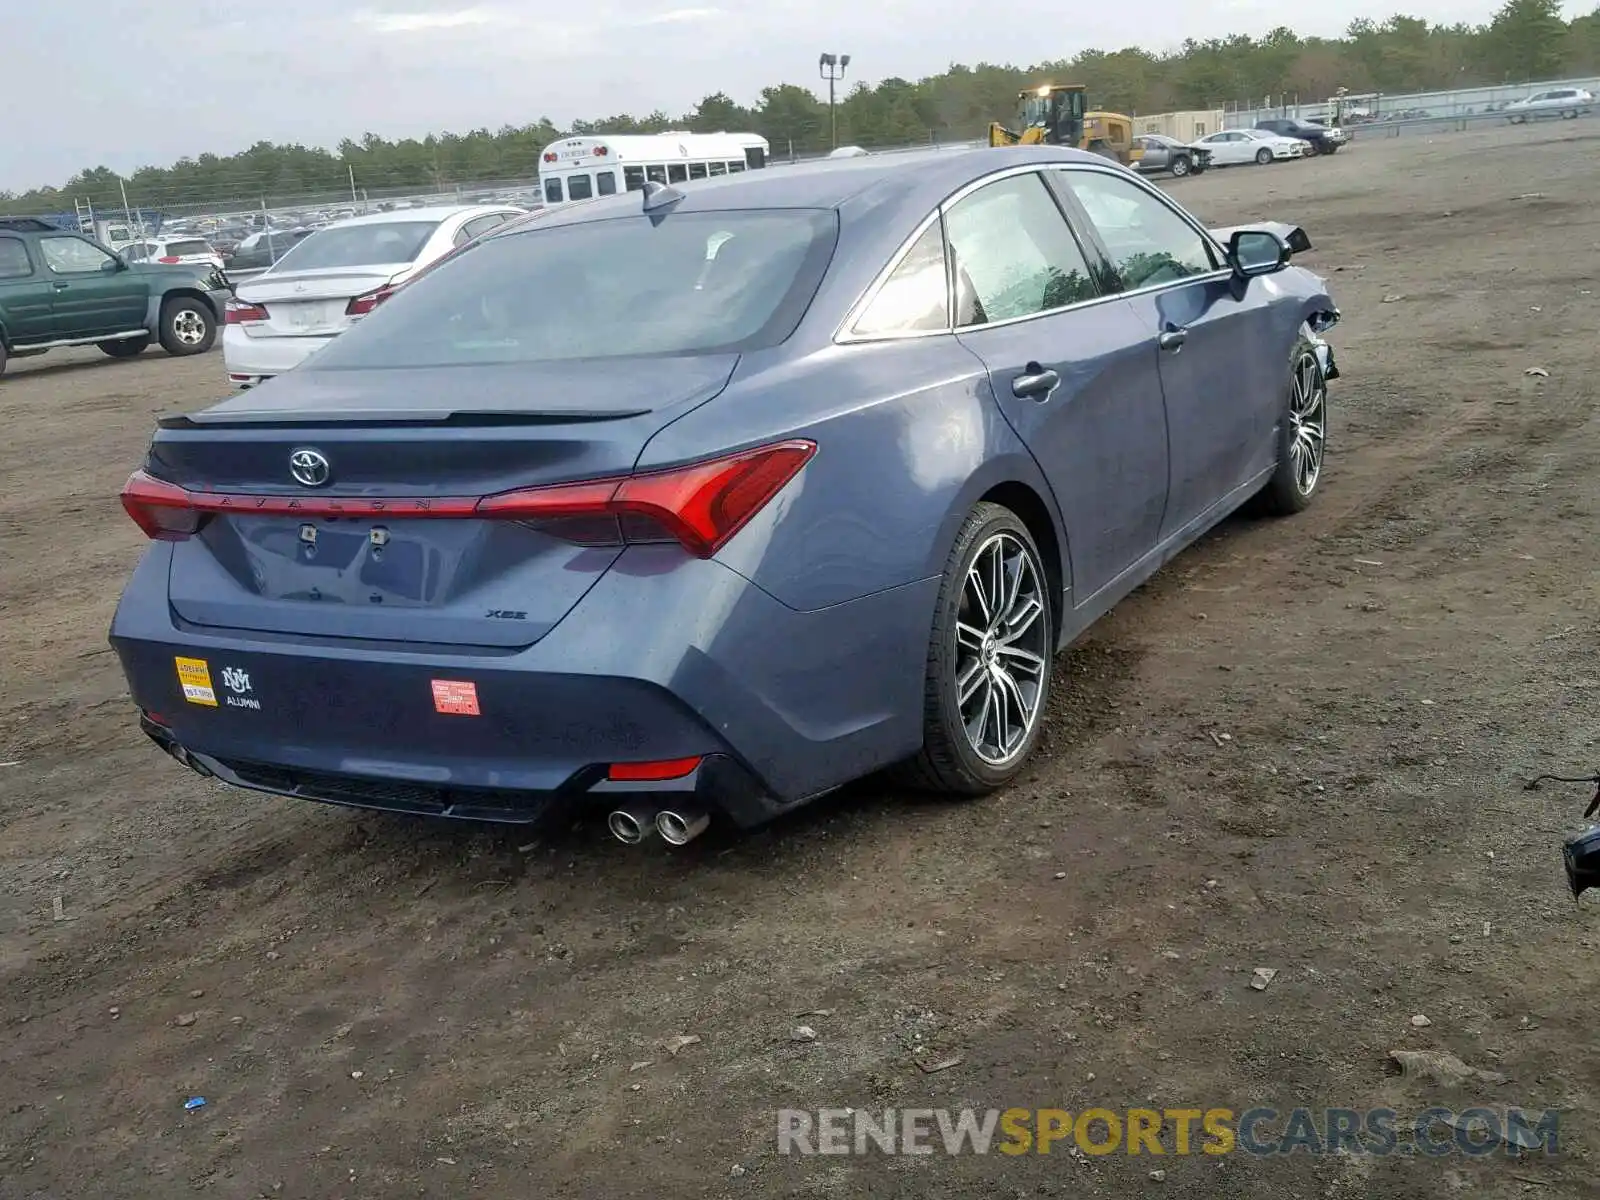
(335, 277)
(1234, 147)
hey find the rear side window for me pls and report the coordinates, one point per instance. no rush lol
(915, 298)
(360, 245)
(694, 283)
(14, 260)
(1014, 254)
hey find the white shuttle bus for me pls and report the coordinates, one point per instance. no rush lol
(580, 168)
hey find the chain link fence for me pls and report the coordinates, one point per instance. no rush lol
(1391, 113)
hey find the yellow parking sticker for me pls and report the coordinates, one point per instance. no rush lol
(195, 679)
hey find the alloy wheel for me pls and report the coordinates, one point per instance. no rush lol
(1308, 416)
(189, 327)
(1001, 651)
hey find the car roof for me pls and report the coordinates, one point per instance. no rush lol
(436, 212)
(917, 179)
(30, 225)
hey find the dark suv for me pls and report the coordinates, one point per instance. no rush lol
(59, 288)
(1323, 139)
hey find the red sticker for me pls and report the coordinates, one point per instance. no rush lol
(454, 696)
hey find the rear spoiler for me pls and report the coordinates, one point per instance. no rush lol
(1290, 235)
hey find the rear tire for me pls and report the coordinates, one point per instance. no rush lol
(988, 670)
(188, 326)
(125, 347)
(1263, 157)
(1302, 436)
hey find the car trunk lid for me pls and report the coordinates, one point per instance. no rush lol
(313, 303)
(386, 546)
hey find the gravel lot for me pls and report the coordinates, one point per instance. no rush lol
(1300, 747)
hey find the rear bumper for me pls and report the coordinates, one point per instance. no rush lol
(718, 783)
(651, 665)
(250, 360)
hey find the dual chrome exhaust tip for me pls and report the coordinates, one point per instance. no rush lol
(633, 823)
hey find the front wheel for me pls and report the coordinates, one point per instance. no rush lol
(1180, 167)
(1302, 435)
(188, 326)
(988, 666)
(1263, 157)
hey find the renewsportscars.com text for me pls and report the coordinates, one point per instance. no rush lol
(1434, 1132)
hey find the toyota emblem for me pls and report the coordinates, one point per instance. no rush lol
(309, 467)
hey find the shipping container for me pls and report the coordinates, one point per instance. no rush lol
(1185, 126)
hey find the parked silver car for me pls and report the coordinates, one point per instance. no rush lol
(1557, 102)
(1160, 153)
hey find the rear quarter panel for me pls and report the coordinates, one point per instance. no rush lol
(909, 439)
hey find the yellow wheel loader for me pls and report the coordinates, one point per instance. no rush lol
(1054, 115)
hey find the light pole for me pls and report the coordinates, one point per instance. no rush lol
(831, 67)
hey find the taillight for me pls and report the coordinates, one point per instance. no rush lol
(362, 305)
(163, 510)
(700, 506)
(169, 258)
(238, 312)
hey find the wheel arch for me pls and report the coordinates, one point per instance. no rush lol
(1015, 482)
(1032, 511)
(188, 292)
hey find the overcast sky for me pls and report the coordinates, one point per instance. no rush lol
(126, 83)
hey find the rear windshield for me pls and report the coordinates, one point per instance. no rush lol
(359, 245)
(192, 247)
(693, 283)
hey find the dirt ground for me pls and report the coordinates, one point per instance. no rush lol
(1300, 747)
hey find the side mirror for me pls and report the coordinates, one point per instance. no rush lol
(114, 264)
(1255, 252)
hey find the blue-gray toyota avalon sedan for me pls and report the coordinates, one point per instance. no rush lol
(694, 503)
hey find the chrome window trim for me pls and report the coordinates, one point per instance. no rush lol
(844, 336)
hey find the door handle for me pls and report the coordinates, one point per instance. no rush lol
(1172, 338)
(1035, 383)
(59, 286)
